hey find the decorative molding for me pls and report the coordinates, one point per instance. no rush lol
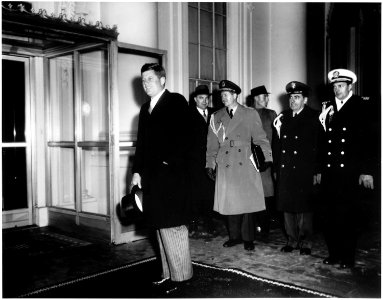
(67, 16)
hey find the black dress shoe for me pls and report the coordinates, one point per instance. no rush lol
(330, 260)
(231, 243)
(346, 265)
(287, 248)
(249, 246)
(305, 251)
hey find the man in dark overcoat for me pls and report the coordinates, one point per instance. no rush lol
(201, 186)
(261, 101)
(160, 169)
(296, 155)
(346, 162)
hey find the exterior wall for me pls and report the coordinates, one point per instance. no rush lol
(136, 21)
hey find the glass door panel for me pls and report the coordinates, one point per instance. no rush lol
(95, 180)
(15, 194)
(94, 100)
(62, 177)
(61, 95)
(15, 160)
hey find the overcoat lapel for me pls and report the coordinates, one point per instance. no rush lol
(160, 102)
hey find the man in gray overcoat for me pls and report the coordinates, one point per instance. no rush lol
(261, 101)
(295, 154)
(238, 186)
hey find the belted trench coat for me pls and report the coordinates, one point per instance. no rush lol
(238, 186)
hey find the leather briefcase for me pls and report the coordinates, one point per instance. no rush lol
(259, 157)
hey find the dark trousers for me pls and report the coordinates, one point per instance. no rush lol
(340, 233)
(263, 218)
(340, 195)
(299, 229)
(241, 227)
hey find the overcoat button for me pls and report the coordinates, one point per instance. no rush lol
(329, 153)
(344, 128)
(295, 152)
(330, 129)
(226, 138)
(239, 150)
(283, 151)
(227, 166)
(296, 137)
(341, 165)
(285, 136)
(329, 165)
(240, 164)
(227, 152)
(329, 141)
(343, 140)
(342, 152)
(283, 166)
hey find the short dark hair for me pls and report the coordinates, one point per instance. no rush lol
(157, 68)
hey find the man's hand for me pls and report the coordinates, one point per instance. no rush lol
(367, 180)
(317, 179)
(210, 173)
(136, 180)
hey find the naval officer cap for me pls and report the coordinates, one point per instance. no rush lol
(259, 90)
(227, 85)
(296, 87)
(341, 75)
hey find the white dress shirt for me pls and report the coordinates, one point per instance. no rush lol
(154, 100)
(340, 103)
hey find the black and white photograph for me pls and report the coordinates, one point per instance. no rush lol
(191, 149)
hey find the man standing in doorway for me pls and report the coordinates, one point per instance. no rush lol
(238, 187)
(160, 170)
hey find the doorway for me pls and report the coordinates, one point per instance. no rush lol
(16, 155)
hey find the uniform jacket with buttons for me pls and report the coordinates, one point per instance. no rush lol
(238, 186)
(296, 156)
(345, 145)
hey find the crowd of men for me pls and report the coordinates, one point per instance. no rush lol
(191, 162)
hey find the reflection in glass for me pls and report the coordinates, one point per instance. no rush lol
(95, 180)
(13, 103)
(94, 105)
(62, 177)
(61, 96)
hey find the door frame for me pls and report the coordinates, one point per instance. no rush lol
(23, 216)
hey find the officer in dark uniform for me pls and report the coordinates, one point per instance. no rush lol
(346, 162)
(295, 154)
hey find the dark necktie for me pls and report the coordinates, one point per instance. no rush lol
(230, 112)
(204, 115)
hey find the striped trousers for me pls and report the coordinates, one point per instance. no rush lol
(175, 253)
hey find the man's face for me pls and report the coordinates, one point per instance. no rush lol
(228, 98)
(261, 101)
(341, 89)
(201, 101)
(151, 83)
(297, 101)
